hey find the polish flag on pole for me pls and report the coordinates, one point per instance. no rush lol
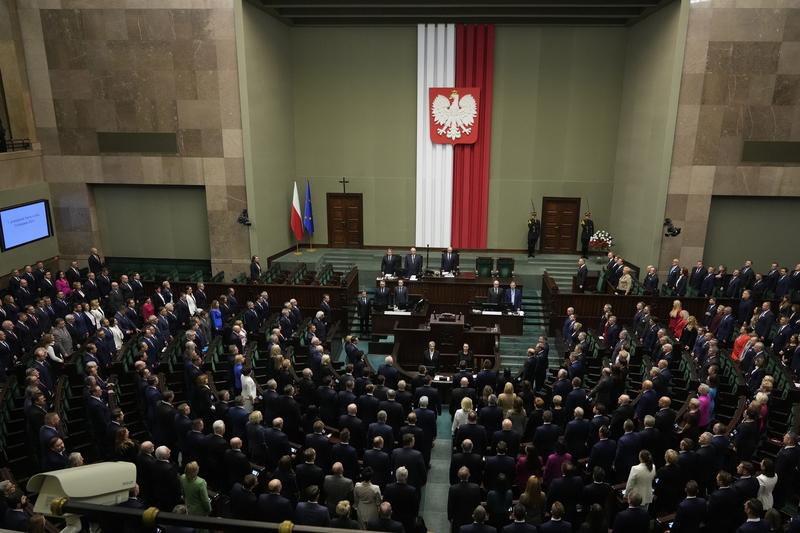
(297, 218)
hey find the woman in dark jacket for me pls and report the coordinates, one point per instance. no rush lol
(668, 485)
(256, 439)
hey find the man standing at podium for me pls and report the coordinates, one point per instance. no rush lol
(363, 305)
(389, 263)
(413, 264)
(495, 295)
(431, 357)
(401, 295)
(381, 300)
(513, 297)
(449, 260)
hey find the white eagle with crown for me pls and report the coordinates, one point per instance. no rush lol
(455, 115)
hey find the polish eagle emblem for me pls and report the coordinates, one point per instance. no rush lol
(454, 118)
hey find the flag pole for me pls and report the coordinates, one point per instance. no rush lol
(311, 248)
(297, 248)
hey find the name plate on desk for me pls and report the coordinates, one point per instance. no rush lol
(397, 313)
(492, 313)
(441, 378)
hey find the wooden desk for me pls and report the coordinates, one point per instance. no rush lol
(384, 324)
(411, 343)
(463, 289)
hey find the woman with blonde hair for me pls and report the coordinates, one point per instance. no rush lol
(689, 333)
(461, 415)
(534, 500)
(195, 491)
(675, 316)
(97, 312)
(506, 399)
(680, 324)
(625, 283)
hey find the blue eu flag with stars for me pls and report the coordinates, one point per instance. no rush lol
(308, 216)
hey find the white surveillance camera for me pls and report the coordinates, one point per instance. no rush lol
(101, 484)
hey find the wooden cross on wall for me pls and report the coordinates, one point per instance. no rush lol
(344, 181)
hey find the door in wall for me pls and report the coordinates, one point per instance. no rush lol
(345, 220)
(560, 224)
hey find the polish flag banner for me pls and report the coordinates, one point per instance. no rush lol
(297, 219)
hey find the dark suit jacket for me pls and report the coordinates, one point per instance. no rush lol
(413, 461)
(385, 524)
(632, 520)
(274, 508)
(690, 514)
(166, 485)
(494, 296)
(389, 266)
(517, 298)
(555, 526)
(473, 461)
(449, 264)
(405, 503)
(413, 266)
(379, 462)
(312, 514)
(462, 498)
(724, 506)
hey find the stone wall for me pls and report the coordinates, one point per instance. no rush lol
(741, 81)
(137, 66)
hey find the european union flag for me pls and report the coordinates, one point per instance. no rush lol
(308, 216)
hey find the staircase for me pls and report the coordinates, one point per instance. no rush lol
(560, 267)
(513, 350)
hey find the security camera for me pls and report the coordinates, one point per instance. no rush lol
(244, 218)
(671, 230)
(100, 483)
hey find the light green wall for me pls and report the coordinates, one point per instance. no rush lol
(179, 231)
(35, 251)
(651, 83)
(355, 116)
(265, 87)
(554, 122)
(736, 227)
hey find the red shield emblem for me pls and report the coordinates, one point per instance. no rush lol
(454, 114)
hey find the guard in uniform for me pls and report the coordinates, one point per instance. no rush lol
(587, 230)
(534, 228)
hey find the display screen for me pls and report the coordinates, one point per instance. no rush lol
(25, 223)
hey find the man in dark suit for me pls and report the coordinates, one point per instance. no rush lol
(384, 521)
(272, 507)
(724, 506)
(378, 461)
(95, 261)
(691, 512)
(165, 483)
(311, 513)
(745, 308)
(478, 524)
(404, 499)
(519, 525)
(634, 519)
(581, 275)
(389, 263)
(400, 297)
(556, 524)
(235, 463)
(363, 310)
(754, 510)
(449, 260)
(434, 400)
(381, 429)
(707, 283)
(786, 468)
(576, 434)
(765, 321)
(498, 464)
(628, 447)
(16, 518)
(546, 435)
(495, 293)
(462, 497)
(783, 284)
(513, 297)
(673, 273)
(603, 452)
(650, 281)
(696, 277)
(413, 264)
(382, 296)
(308, 473)
(255, 269)
(412, 459)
